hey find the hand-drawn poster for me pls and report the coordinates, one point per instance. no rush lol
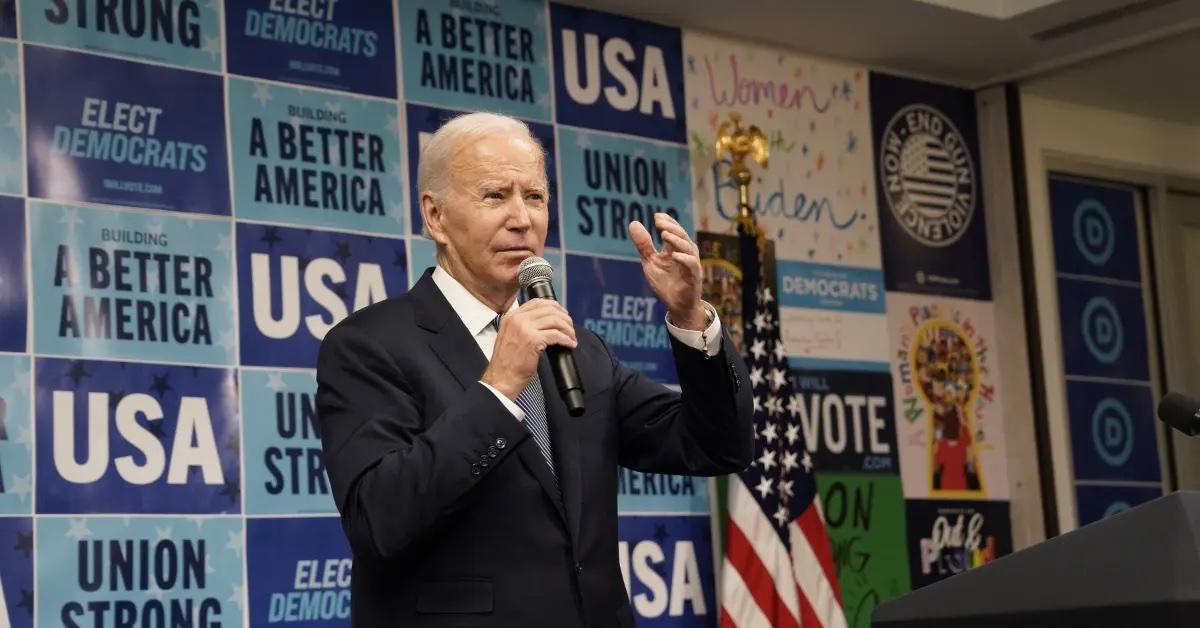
(949, 415)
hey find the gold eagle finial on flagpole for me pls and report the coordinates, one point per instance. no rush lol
(739, 142)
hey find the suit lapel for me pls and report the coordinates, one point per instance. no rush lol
(564, 435)
(459, 352)
(451, 341)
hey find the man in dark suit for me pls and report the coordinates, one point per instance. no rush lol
(470, 497)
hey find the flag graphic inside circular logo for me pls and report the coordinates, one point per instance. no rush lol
(927, 174)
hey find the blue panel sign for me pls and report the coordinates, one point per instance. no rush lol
(294, 285)
(612, 298)
(12, 162)
(483, 56)
(1095, 229)
(111, 131)
(185, 33)
(136, 438)
(668, 570)
(143, 571)
(308, 157)
(340, 45)
(1103, 330)
(1112, 432)
(827, 287)
(615, 73)
(285, 473)
(609, 181)
(298, 584)
(844, 420)
(659, 493)
(16, 567)
(8, 18)
(111, 283)
(16, 436)
(424, 121)
(14, 293)
(931, 223)
(1100, 502)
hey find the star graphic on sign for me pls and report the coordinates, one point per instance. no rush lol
(20, 379)
(225, 339)
(26, 601)
(235, 543)
(10, 68)
(24, 544)
(20, 486)
(270, 236)
(160, 385)
(789, 461)
(582, 140)
(767, 459)
(807, 462)
(759, 349)
(262, 93)
(224, 243)
(236, 596)
(343, 251)
(70, 218)
(232, 490)
(398, 259)
(76, 371)
(14, 120)
(154, 591)
(660, 533)
(397, 213)
(764, 487)
(212, 45)
(78, 529)
(393, 125)
(275, 381)
(792, 434)
(23, 439)
(163, 534)
(769, 432)
(9, 169)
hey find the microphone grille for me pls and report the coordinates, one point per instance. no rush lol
(532, 270)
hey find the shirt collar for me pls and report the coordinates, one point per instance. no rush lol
(474, 313)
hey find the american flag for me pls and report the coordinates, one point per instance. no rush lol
(778, 568)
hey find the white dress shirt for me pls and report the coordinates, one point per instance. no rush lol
(478, 319)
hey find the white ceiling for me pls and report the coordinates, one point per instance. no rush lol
(928, 38)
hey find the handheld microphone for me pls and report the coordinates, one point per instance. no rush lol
(534, 276)
(1181, 413)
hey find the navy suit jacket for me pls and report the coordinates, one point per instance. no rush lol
(452, 514)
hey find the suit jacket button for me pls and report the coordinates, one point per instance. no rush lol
(501, 443)
(492, 451)
(475, 470)
(482, 463)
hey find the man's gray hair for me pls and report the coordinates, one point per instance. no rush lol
(433, 166)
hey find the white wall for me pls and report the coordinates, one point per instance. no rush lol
(1089, 141)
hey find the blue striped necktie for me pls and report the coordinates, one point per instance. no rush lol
(531, 401)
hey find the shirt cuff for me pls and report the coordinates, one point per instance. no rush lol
(512, 406)
(708, 341)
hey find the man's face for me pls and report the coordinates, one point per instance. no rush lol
(496, 212)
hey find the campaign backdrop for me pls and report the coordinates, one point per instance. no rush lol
(1106, 367)
(192, 194)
